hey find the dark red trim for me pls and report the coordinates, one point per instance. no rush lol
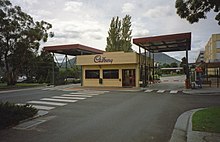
(66, 48)
(150, 43)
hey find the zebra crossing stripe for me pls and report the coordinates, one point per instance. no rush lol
(78, 93)
(58, 100)
(147, 91)
(47, 103)
(160, 91)
(71, 98)
(100, 92)
(68, 95)
(84, 93)
(43, 107)
(174, 91)
(93, 94)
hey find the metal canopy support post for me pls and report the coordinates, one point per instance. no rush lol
(53, 75)
(140, 71)
(81, 71)
(187, 70)
(145, 68)
(218, 70)
(66, 67)
(153, 67)
(149, 66)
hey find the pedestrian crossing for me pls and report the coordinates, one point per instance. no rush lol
(71, 98)
(160, 91)
(47, 103)
(163, 91)
(53, 102)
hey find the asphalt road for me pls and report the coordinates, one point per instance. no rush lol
(110, 117)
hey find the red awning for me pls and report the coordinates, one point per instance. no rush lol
(165, 43)
(72, 49)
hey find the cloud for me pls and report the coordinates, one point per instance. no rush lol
(69, 32)
(139, 29)
(87, 21)
(128, 7)
(30, 2)
(159, 11)
(73, 6)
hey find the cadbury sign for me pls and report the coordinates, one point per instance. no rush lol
(100, 59)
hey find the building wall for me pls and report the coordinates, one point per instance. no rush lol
(109, 82)
(111, 60)
(108, 58)
(200, 58)
(212, 49)
(212, 52)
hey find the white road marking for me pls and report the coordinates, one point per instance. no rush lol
(59, 100)
(84, 94)
(47, 103)
(147, 91)
(100, 92)
(79, 93)
(43, 107)
(71, 98)
(47, 89)
(68, 95)
(94, 94)
(160, 91)
(174, 91)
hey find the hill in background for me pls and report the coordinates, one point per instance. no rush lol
(164, 58)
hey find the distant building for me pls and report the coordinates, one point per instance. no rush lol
(200, 58)
(212, 52)
(212, 49)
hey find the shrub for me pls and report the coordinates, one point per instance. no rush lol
(11, 114)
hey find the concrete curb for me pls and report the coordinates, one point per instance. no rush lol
(197, 136)
(183, 132)
(112, 89)
(212, 91)
(40, 113)
(180, 129)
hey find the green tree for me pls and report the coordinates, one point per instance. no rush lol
(113, 39)
(126, 34)
(119, 35)
(43, 67)
(193, 10)
(174, 64)
(19, 36)
(165, 65)
(184, 65)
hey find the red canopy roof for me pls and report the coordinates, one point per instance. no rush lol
(165, 43)
(72, 49)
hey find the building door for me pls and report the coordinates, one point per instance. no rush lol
(128, 77)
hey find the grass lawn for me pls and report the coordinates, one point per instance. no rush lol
(3, 86)
(207, 120)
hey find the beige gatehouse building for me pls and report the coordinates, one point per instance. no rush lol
(112, 69)
(121, 69)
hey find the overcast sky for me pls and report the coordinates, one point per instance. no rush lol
(87, 21)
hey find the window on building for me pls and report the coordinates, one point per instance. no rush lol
(110, 74)
(218, 56)
(218, 44)
(92, 74)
